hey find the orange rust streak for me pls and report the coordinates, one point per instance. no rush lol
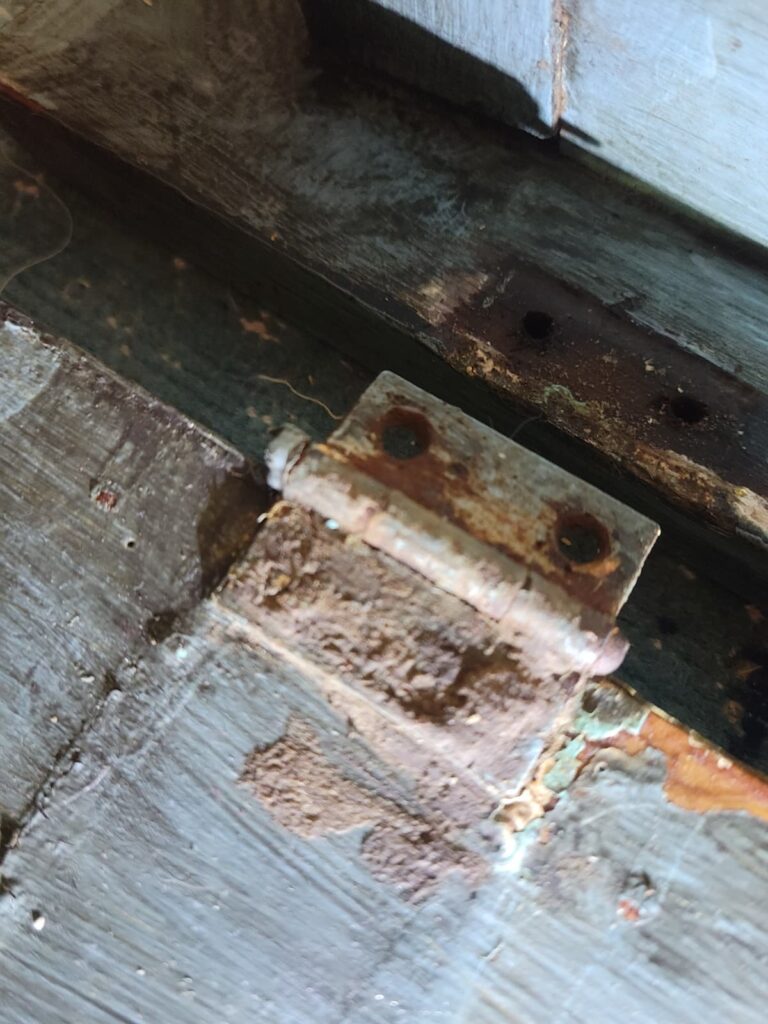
(699, 778)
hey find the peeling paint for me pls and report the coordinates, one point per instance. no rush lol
(699, 778)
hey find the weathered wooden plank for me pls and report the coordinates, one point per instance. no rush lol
(210, 856)
(438, 241)
(698, 650)
(117, 515)
(663, 92)
(171, 892)
(307, 838)
(502, 58)
(666, 93)
(640, 892)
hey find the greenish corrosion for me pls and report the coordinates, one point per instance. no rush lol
(606, 710)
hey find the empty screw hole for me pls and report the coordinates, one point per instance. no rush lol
(405, 433)
(688, 409)
(581, 539)
(538, 325)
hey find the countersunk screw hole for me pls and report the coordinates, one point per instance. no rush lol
(688, 409)
(405, 433)
(538, 325)
(581, 538)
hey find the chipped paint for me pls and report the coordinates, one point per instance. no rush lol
(561, 24)
(441, 296)
(692, 431)
(699, 778)
(613, 727)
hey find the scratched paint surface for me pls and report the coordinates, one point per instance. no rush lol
(612, 889)
(116, 514)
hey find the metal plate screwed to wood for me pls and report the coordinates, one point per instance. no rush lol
(547, 557)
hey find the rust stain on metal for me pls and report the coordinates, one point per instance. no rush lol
(415, 674)
(481, 517)
(458, 687)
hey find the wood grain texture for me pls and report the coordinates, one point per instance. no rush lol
(514, 37)
(628, 905)
(413, 222)
(170, 893)
(665, 92)
(117, 515)
(498, 57)
(218, 839)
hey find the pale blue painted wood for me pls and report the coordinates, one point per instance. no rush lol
(671, 92)
(674, 93)
(519, 37)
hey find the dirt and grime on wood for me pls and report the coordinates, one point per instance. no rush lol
(309, 795)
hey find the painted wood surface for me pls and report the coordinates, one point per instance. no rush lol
(117, 515)
(398, 221)
(502, 58)
(669, 93)
(206, 856)
(514, 37)
(230, 829)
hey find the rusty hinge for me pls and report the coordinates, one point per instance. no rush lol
(446, 593)
(545, 556)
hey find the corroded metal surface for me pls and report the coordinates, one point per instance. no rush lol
(547, 557)
(422, 677)
(332, 792)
